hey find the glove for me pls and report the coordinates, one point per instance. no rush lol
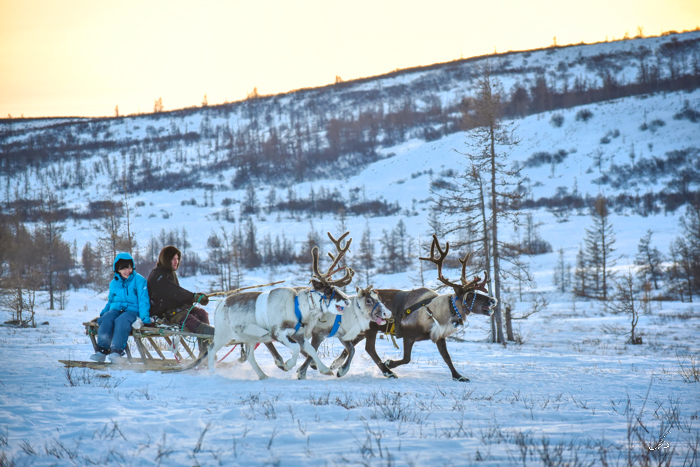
(201, 298)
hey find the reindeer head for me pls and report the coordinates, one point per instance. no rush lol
(323, 283)
(368, 301)
(473, 294)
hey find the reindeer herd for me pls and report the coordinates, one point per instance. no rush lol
(300, 318)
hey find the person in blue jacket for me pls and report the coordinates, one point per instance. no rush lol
(128, 300)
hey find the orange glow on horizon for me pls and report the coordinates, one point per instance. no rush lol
(83, 58)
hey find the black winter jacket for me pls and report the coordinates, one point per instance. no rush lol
(165, 291)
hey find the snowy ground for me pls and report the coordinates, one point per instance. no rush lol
(568, 393)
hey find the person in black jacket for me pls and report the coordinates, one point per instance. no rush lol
(171, 302)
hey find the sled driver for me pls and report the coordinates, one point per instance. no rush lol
(128, 301)
(170, 301)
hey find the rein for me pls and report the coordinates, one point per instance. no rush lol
(188, 312)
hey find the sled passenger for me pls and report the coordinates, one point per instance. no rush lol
(128, 301)
(170, 301)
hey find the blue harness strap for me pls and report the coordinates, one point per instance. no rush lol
(336, 325)
(298, 313)
(454, 306)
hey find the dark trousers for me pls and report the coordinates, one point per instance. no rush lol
(192, 320)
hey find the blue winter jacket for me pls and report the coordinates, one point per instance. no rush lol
(130, 294)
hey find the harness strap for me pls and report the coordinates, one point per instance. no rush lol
(418, 305)
(391, 331)
(464, 301)
(322, 299)
(430, 313)
(297, 312)
(454, 306)
(336, 325)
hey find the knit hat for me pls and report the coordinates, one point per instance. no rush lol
(123, 263)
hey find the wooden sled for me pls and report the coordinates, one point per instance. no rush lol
(153, 360)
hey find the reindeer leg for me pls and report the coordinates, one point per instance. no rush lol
(322, 368)
(217, 344)
(351, 353)
(371, 337)
(211, 356)
(442, 347)
(343, 355)
(407, 348)
(250, 351)
(279, 361)
(315, 342)
(283, 338)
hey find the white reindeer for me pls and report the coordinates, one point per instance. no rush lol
(365, 308)
(286, 315)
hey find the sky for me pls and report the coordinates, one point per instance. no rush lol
(86, 57)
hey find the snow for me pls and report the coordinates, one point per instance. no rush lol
(567, 385)
(563, 391)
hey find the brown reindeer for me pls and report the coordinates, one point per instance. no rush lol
(422, 314)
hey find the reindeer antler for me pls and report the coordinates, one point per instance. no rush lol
(486, 279)
(464, 262)
(438, 261)
(477, 283)
(340, 251)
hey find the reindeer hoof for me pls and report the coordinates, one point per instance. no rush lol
(387, 363)
(301, 375)
(390, 375)
(461, 379)
(326, 372)
(342, 372)
(279, 363)
(262, 377)
(336, 364)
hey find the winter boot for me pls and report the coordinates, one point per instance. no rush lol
(203, 328)
(100, 355)
(117, 357)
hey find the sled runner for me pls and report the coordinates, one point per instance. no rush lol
(159, 337)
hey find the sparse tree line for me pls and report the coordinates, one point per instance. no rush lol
(473, 205)
(679, 170)
(34, 260)
(675, 276)
(38, 260)
(319, 202)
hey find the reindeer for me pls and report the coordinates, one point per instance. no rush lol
(365, 307)
(286, 315)
(422, 314)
